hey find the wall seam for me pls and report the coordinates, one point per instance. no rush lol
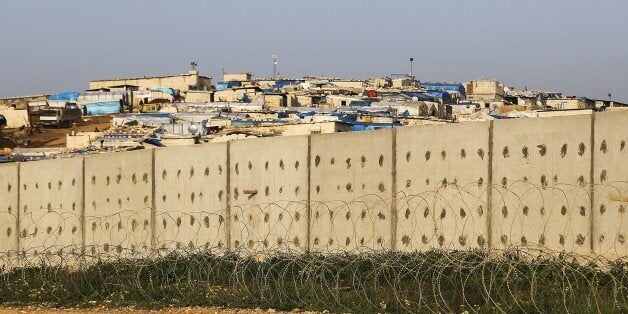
(489, 191)
(19, 210)
(592, 184)
(153, 210)
(82, 219)
(393, 203)
(228, 201)
(308, 209)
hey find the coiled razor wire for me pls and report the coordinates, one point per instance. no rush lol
(432, 281)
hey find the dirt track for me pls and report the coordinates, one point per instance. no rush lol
(52, 137)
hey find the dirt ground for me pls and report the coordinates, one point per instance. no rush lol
(52, 137)
(203, 310)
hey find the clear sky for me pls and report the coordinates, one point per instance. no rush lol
(575, 46)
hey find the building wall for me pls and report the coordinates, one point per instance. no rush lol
(234, 95)
(304, 101)
(9, 211)
(566, 103)
(198, 96)
(401, 82)
(21, 102)
(556, 184)
(349, 84)
(243, 77)
(274, 101)
(485, 90)
(15, 118)
(180, 82)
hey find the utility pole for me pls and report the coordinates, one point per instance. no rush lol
(411, 70)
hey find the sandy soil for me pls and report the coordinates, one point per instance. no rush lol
(51, 137)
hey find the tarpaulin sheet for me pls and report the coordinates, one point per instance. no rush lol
(99, 108)
(69, 96)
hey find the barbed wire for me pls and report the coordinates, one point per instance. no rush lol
(344, 261)
(432, 281)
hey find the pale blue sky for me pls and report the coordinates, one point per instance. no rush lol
(574, 46)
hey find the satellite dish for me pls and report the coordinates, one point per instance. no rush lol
(193, 129)
(415, 98)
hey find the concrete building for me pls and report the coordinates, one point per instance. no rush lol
(21, 102)
(485, 90)
(379, 82)
(14, 118)
(402, 82)
(241, 77)
(194, 96)
(244, 94)
(354, 84)
(274, 100)
(569, 103)
(182, 82)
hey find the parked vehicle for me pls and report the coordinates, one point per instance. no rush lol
(60, 116)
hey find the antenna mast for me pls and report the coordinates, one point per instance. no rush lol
(275, 61)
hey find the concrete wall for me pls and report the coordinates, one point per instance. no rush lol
(269, 192)
(9, 186)
(610, 176)
(442, 184)
(51, 202)
(118, 202)
(191, 196)
(351, 189)
(541, 180)
(555, 183)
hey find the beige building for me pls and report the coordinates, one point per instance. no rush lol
(485, 90)
(183, 82)
(569, 103)
(402, 82)
(21, 102)
(379, 82)
(198, 96)
(16, 118)
(274, 100)
(242, 77)
(357, 84)
(248, 93)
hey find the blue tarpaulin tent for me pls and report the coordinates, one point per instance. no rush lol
(456, 87)
(68, 96)
(360, 103)
(230, 84)
(438, 95)
(98, 108)
(419, 96)
(306, 114)
(164, 90)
